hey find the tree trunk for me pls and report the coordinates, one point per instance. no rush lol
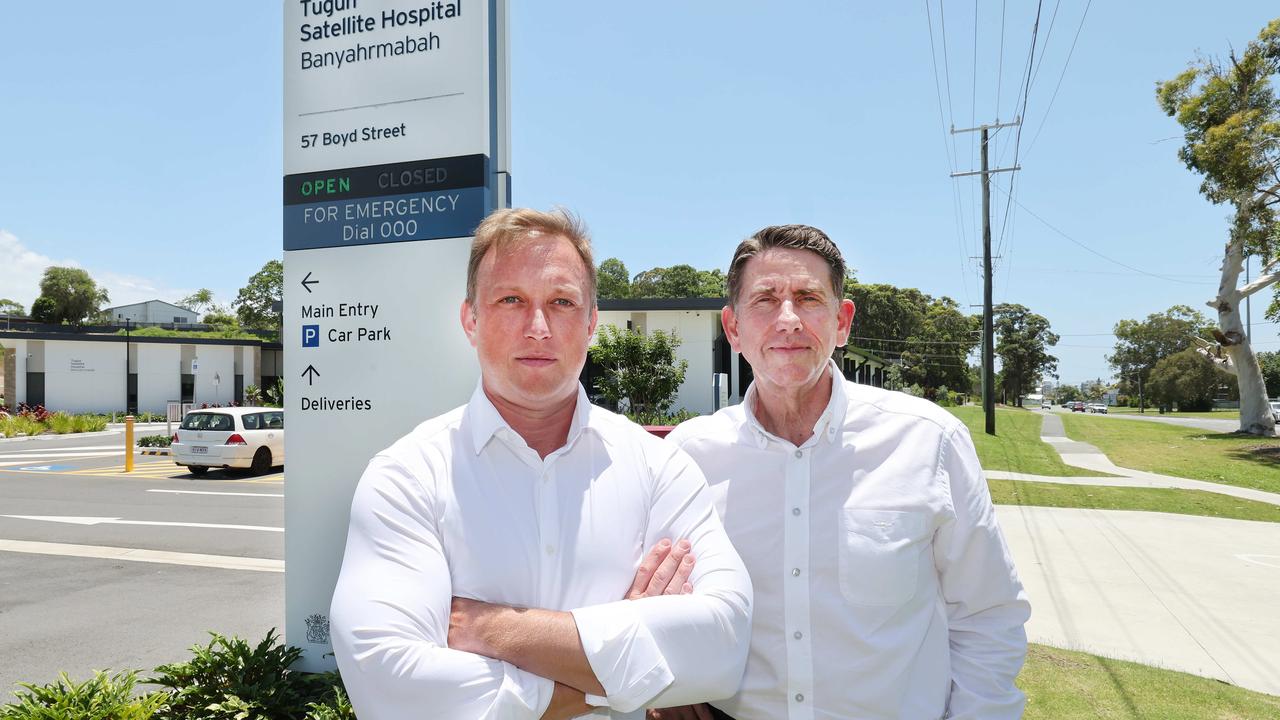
(1255, 413)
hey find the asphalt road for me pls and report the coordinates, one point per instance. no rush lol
(1155, 416)
(101, 569)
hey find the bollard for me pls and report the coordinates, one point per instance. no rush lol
(128, 443)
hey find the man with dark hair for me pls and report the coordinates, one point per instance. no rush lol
(491, 548)
(883, 586)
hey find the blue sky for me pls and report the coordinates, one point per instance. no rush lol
(142, 141)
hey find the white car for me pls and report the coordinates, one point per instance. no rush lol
(1097, 408)
(232, 437)
(1275, 409)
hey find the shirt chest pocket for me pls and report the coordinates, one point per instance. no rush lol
(879, 554)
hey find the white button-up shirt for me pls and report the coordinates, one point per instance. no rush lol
(883, 586)
(462, 506)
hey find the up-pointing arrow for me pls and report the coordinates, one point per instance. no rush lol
(310, 374)
(71, 520)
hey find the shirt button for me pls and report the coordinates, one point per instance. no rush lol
(798, 635)
(799, 697)
(795, 572)
(795, 511)
(551, 549)
(799, 453)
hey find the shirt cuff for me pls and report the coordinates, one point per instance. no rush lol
(623, 654)
(522, 694)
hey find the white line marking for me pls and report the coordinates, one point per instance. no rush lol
(155, 523)
(225, 562)
(27, 459)
(210, 492)
(78, 448)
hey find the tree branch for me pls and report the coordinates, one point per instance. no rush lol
(1215, 356)
(1258, 284)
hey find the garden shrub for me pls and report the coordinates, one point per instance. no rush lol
(61, 423)
(102, 697)
(229, 679)
(225, 680)
(89, 423)
(162, 441)
(660, 418)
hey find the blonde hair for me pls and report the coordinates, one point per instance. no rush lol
(506, 227)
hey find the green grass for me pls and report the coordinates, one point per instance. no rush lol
(1228, 458)
(1016, 447)
(1101, 497)
(1066, 685)
(1210, 414)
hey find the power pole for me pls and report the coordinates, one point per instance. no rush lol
(988, 325)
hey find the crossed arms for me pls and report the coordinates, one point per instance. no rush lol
(394, 599)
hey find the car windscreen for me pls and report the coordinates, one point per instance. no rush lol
(208, 421)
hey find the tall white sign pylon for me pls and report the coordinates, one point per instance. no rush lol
(395, 147)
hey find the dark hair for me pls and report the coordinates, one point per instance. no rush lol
(795, 237)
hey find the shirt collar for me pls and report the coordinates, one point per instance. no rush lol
(828, 423)
(486, 421)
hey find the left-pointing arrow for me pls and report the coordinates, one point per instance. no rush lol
(307, 282)
(154, 523)
(310, 374)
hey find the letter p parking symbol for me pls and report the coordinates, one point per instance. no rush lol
(310, 336)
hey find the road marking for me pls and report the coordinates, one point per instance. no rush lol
(154, 523)
(211, 492)
(160, 470)
(21, 459)
(225, 562)
(82, 448)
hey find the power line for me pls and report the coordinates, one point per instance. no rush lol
(1047, 224)
(1000, 64)
(1058, 87)
(1017, 143)
(1053, 19)
(946, 69)
(961, 237)
(973, 98)
(926, 342)
(1105, 272)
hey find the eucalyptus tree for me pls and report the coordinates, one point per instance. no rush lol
(1231, 121)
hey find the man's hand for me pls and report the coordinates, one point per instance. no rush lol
(700, 711)
(664, 571)
(566, 703)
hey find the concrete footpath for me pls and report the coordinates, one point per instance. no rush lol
(1183, 592)
(1195, 594)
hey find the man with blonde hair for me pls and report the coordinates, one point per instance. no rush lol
(491, 548)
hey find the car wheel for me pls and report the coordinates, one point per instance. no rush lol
(197, 470)
(261, 462)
